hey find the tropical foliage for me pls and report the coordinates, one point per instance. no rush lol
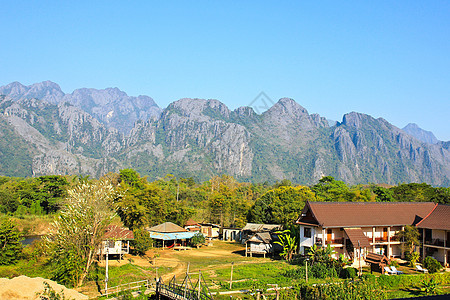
(10, 246)
(79, 229)
(289, 243)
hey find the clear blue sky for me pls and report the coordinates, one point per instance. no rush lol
(389, 59)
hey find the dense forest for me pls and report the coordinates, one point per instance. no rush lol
(221, 200)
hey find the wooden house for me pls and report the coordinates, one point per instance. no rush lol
(116, 241)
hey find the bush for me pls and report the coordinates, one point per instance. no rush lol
(348, 273)
(197, 239)
(299, 272)
(431, 264)
(369, 277)
(142, 241)
(394, 263)
(322, 270)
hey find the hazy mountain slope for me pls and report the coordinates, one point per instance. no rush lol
(420, 134)
(110, 106)
(60, 139)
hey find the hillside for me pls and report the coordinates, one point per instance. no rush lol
(49, 132)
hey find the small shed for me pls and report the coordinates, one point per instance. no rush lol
(260, 243)
(251, 228)
(377, 262)
(170, 234)
(116, 241)
(231, 234)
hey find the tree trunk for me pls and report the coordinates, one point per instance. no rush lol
(86, 269)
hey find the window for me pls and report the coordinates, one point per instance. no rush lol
(307, 232)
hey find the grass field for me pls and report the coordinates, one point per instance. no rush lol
(215, 263)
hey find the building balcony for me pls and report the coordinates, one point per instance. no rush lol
(380, 240)
(437, 242)
(339, 241)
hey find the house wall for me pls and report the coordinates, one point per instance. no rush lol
(260, 247)
(307, 241)
(111, 247)
(231, 234)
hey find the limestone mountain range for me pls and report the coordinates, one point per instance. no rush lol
(92, 132)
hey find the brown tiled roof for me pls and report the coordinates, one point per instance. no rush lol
(357, 235)
(362, 214)
(166, 227)
(439, 218)
(114, 232)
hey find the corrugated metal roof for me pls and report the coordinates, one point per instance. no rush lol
(118, 233)
(261, 237)
(169, 236)
(166, 227)
(439, 218)
(253, 227)
(367, 214)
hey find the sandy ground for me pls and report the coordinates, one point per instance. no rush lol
(26, 288)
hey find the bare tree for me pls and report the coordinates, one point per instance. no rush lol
(78, 231)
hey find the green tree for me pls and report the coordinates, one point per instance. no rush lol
(78, 231)
(142, 241)
(10, 246)
(281, 205)
(329, 189)
(410, 235)
(383, 194)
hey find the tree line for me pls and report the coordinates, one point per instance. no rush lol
(221, 200)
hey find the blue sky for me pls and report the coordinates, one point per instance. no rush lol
(389, 59)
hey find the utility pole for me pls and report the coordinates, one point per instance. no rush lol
(360, 268)
(106, 276)
(307, 270)
(199, 282)
(231, 276)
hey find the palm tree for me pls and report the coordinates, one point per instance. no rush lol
(289, 244)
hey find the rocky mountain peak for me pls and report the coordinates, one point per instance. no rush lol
(46, 90)
(420, 134)
(194, 107)
(354, 119)
(288, 106)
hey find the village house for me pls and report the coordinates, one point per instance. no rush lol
(260, 238)
(170, 235)
(209, 230)
(116, 241)
(355, 229)
(435, 231)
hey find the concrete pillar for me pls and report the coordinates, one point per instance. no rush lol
(423, 244)
(323, 237)
(373, 239)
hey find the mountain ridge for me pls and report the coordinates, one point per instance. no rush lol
(203, 138)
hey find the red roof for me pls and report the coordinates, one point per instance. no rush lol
(364, 214)
(190, 222)
(439, 218)
(114, 232)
